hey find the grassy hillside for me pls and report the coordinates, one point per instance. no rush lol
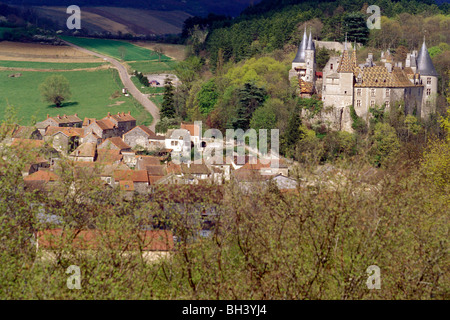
(91, 96)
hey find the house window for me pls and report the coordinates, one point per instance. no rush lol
(372, 103)
(358, 103)
(174, 143)
(428, 80)
(388, 92)
(358, 92)
(428, 92)
(372, 92)
(108, 180)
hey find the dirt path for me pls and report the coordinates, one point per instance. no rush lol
(126, 80)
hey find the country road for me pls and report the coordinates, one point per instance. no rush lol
(126, 80)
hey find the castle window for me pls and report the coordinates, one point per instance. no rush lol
(388, 91)
(358, 92)
(387, 104)
(358, 103)
(428, 92)
(331, 66)
(372, 103)
(372, 92)
(428, 80)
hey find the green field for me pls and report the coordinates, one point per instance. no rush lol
(149, 67)
(49, 65)
(91, 96)
(157, 100)
(111, 48)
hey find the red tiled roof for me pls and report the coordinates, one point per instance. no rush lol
(28, 143)
(87, 149)
(157, 170)
(68, 131)
(66, 119)
(105, 124)
(120, 117)
(126, 185)
(150, 240)
(145, 129)
(42, 175)
(193, 129)
(118, 142)
(131, 175)
(173, 168)
(108, 155)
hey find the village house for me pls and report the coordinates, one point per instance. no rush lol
(91, 137)
(124, 122)
(193, 173)
(154, 245)
(59, 121)
(138, 137)
(23, 132)
(103, 129)
(115, 143)
(106, 156)
(85, 152)
(139, 178)
(41, 180)
(64, 139)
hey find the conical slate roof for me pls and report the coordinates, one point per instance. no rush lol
(301, 54)
(310, 45)
(424, 64)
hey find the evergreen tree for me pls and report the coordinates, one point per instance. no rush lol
(250, 98)
(356, 27)
(293, 133)
(168, 104)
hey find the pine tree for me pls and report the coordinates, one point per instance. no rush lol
(168, 104)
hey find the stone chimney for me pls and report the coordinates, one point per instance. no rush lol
(408, 60)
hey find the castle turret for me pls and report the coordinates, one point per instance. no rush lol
(429, 79)
(310, 59)
(301, 53)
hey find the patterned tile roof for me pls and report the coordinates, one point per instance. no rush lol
(379, 76)
(345, 65)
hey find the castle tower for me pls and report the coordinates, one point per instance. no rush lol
(299, 62)
(310, 57)
(303, 67)
(429, 79)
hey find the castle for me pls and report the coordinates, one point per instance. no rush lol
(343, 83)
